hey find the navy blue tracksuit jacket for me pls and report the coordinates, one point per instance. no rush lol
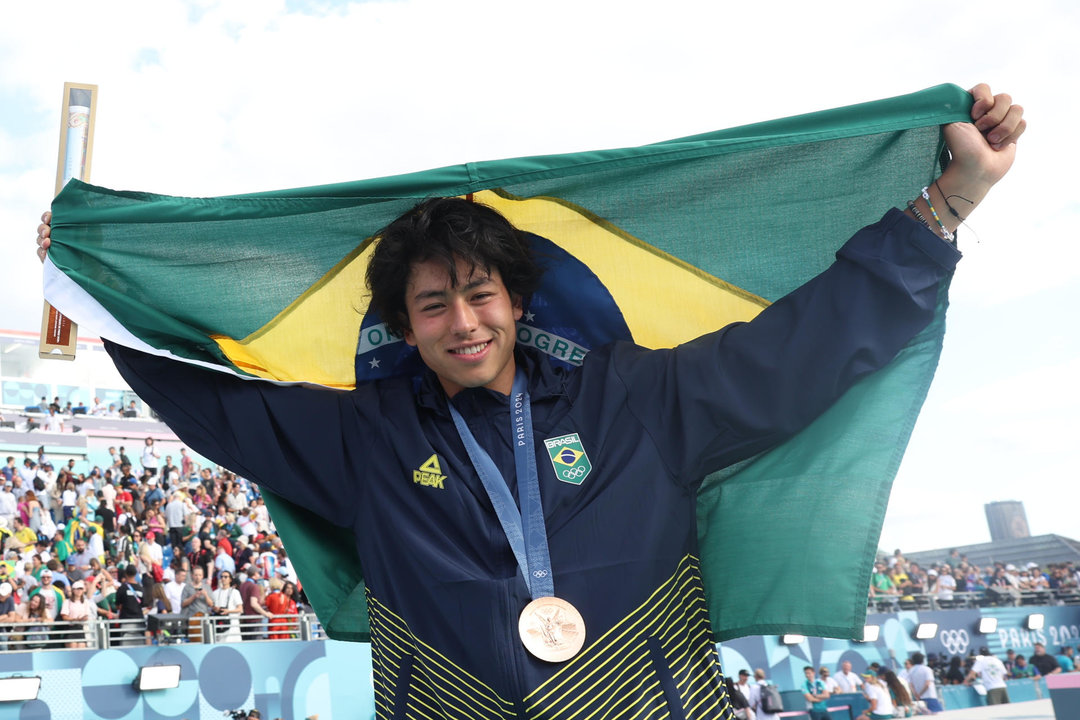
(444, 589)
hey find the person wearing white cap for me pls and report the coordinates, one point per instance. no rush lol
(79, 612)
(7, 602)
(945, 585)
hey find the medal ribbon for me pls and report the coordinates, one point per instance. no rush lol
(524, 528)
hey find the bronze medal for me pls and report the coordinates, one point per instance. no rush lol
(551, 629)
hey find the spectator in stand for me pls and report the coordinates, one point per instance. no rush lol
(1010, 660)
(830, 683)
(1023, 669)
(36, 632)
(195, 600)
(251, 597)
(7, 602)
(955, 674)
(1044, 662)
(760, 681)
(227, 605)
(877, 695)
(54, 423)
(105, 515)
(200, 556)
(749, 691)
(901, 580)
(202, 499)
(186, 464)
(242, 554)
(880, 583)
(1039, 580)
(898, 693)
(132, 607)
(1066, 659)
(944, 585)
(846, 680)
(10, 469)
(816, 695)
(992, 674)
(78, 562)
(223, 562)
(166, 473)
(223, 541)
(78, 611)
(923, 688)
(9, 504)
(52, 596)
(28, 472)
(150, 457)
(174, 589)
(104, 592)
(175, 517)
(282, 602)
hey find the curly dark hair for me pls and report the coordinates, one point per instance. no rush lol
(444, 229)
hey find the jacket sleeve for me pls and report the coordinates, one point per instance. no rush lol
(304, 443)
(733, 393)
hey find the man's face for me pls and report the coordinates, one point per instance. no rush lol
(80, 545)
(180, 575)
(1039, 649)
(809, 672)
(845, 666)
(46, 578)
(1021, 660)
(465, 334)
(197, 575)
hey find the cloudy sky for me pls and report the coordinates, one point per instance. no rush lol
(204, 98)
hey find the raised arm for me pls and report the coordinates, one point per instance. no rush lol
(982, 153)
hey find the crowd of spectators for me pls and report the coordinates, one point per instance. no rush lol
(895, 579)
(953, 670)
(174, 539)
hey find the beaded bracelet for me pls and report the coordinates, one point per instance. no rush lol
(918, 215)
(944, 231)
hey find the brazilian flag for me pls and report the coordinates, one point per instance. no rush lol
(658, 244)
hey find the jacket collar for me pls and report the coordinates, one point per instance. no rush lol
(545, 381)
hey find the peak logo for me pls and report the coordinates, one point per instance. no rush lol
(430, 474)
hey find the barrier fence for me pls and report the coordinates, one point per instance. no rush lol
(101, 634)
(991, 597)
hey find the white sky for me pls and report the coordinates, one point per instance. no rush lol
(208, 98)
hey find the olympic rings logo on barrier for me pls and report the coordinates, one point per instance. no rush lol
(573, 473)
(955, 641)
(540, 573)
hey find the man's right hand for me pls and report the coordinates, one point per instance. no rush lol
(43, 232)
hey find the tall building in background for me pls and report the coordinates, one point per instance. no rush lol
(1007, 520)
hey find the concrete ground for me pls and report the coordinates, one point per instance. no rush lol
(1031, 710)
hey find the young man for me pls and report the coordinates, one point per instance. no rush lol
(475, 605)
(816, 695)
(992, 674)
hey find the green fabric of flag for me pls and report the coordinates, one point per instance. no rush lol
(686, 235)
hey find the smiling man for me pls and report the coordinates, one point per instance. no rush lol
(528, 533)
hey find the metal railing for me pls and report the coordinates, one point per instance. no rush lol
(991, 597)
(100, 634)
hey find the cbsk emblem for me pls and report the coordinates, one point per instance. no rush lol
(568, 458)
(430, 474)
